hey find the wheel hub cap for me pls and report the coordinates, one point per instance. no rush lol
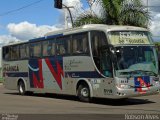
(84, 92)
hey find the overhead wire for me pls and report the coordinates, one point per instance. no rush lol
(21, 8)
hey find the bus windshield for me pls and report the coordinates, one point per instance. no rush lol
(134, 53)
(136, 60)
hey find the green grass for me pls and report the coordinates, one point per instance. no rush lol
(1, 80)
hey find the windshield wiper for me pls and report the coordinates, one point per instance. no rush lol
(148, 72)
(140, 72)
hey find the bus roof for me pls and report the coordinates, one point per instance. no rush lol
(83, 28)
(14, 43)
(102, 27)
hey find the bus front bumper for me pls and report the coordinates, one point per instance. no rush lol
(134, 92)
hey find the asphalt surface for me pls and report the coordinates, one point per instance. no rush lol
(13, 103)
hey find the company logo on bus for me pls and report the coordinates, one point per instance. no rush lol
(36, 72)
(8, 67)
(142, 84)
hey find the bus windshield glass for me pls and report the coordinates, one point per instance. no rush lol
(136, 60)
(134, 53)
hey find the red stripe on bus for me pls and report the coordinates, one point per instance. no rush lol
(57, 75)
(38, 83)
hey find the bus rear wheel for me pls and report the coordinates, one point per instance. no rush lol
(83, 93)
(21, 88)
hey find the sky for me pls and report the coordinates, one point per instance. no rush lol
(27, 19)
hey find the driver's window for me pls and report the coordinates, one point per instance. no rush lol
(102, 60)
(98, 40)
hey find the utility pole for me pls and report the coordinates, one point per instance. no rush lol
(66, 18)
(58, 4)
(147, 12)
(68, 8)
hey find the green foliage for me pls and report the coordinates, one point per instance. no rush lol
(117, 12)
(157, 44)
(111, 10)
(1, 80)
(88, 18)
(134, 14)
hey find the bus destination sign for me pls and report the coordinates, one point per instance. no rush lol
(129, 38)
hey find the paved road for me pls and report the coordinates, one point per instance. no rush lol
(11, 102)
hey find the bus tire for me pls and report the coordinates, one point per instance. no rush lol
(83, 93)
(21, 88)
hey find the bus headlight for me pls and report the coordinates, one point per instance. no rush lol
(156, 83)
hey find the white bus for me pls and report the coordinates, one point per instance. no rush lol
(90, 61)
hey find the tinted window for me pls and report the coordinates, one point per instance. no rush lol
(63, 45)
(80, 43)
(101, 55)
(35, 49)
(24, 51)
(48, 48)
(14, 52)
(6, 53)
(98, 39)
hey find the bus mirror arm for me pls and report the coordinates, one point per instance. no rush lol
(107, 48)
(113, 57)
(112, 54)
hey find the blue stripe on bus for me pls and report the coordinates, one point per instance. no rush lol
(46, 37)
(17, 74)
(53, 36)
(85, 74)
(37, 39)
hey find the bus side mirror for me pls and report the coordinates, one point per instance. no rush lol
(112, 52)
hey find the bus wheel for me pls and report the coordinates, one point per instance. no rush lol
(21, 88)
(83, 93)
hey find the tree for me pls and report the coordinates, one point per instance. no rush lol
(87, 19)
(117, 12)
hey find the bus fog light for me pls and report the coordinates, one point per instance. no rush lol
(121, 94)
(157, 83)
(123, 86)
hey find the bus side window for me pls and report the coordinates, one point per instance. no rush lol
(68, 45)
(74, 46)
(101, 58)
(60, 46)
(35, 49)
(95, 48)
(63, 45)
(80, 43)
(60, 50)
(24, 51)
(52, 52)
(45, 45)
(48, 48)
(6, 53)
(15, 52)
